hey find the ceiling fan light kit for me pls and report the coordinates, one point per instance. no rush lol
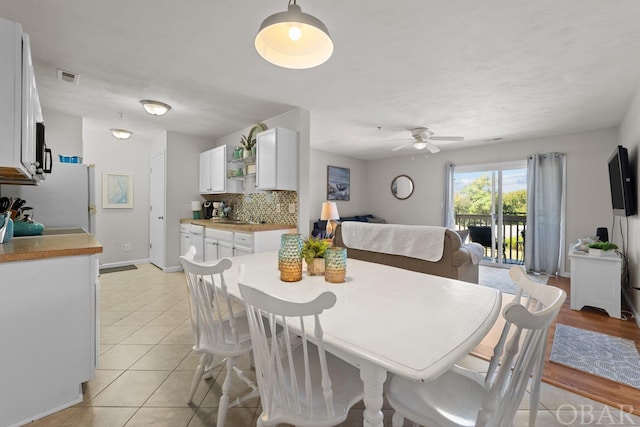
(422, 138)
(294, 39)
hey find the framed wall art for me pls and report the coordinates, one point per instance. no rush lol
(338, 183)
(117, 190)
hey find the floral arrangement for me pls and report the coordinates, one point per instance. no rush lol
(314, 248)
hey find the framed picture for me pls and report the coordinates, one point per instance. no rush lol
(117, 190)
(338, 183)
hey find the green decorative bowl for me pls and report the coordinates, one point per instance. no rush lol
(25, 228)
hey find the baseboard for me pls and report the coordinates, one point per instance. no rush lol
(123, 263)
(172, 269)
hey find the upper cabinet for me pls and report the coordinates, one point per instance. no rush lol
(277, 160)
(213, 170)
(19, 107)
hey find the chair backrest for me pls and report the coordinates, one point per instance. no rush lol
(212, 314)
(520, 351)
(480, 234)
(286, 382)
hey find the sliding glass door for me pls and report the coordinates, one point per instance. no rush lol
(490, 202)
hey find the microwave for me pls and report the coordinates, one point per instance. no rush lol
(44, 158)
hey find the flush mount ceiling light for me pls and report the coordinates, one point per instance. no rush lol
(121, 133)
(155, 108)
(294, 39)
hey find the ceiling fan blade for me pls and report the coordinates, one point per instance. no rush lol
(402, 146)
(447, 138)
(432, 148)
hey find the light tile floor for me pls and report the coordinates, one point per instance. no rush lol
(146, 367)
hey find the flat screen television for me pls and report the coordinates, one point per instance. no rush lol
(623, 197)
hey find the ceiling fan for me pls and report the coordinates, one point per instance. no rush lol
(422, 138)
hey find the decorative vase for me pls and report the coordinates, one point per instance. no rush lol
(253, 151)
(290, 257)
(335, 265)
(316, 267)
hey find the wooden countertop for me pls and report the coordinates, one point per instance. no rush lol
(48, 246)
(222, 225)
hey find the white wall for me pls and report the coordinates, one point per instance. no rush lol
(588, 195)
(63, 133)
(182, 177)
(117, 227)
(630, 138)
(359, 203)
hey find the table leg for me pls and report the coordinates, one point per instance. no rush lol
(373, 378)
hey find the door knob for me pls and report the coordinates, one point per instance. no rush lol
(160, 217)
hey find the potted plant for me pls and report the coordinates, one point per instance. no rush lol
(249, 141)
(601, 248)
(313, 251)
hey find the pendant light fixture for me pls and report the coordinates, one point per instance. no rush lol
(294, 39)
(155, 108)
(121, 133)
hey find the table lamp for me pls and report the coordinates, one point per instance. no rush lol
(329, 213)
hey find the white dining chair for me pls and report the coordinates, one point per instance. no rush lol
(461, 397)
(299, 384)
(219, 328)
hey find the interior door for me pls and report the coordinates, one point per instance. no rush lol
(157, 211)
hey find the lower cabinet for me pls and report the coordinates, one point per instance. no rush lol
(223, 243)
(48, 325)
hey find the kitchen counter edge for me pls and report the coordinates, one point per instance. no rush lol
(51, 246)
(237, 227)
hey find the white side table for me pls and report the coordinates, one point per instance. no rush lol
(595, 282)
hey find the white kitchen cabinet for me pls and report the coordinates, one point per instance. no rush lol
(213, 172)
(192, 235)
(205, 172)
(215, 242)
(48, 324)
(277, 160)
(19, 107)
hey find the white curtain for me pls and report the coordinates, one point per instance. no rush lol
(449, 208)
(544, 237)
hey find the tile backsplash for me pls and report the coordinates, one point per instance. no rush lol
(272, 207)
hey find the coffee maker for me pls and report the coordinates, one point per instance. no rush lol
(207, 209)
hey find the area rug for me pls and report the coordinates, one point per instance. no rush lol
(608, 357)
(114, 269)
(498, 278)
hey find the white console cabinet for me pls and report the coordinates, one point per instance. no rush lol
(595, 282)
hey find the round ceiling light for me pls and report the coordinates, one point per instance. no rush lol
(155, 108)
(294, 39)
(121, 133)
(421, 145)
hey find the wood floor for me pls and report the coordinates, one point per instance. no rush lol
(579, 382)
(596, 388)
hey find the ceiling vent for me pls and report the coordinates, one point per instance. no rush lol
(68, 76)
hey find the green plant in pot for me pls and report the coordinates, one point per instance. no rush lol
(249, 141)
(601, 248)
(313, 253)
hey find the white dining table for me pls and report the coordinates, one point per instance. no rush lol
(386, 319)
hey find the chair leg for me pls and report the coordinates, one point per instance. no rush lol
(397, 420)
(197, 377)
(224, 399)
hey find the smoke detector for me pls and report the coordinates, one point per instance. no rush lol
(68, 76)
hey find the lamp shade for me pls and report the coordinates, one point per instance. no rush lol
(329, 211)
(196, 206)
(121, 133)
(294, 39)
(155, 108)
(421, 145)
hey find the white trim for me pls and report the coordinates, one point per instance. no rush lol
(514, 164)
(123, 263)
(172, 269)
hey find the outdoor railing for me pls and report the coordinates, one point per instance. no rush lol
(513, 233)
